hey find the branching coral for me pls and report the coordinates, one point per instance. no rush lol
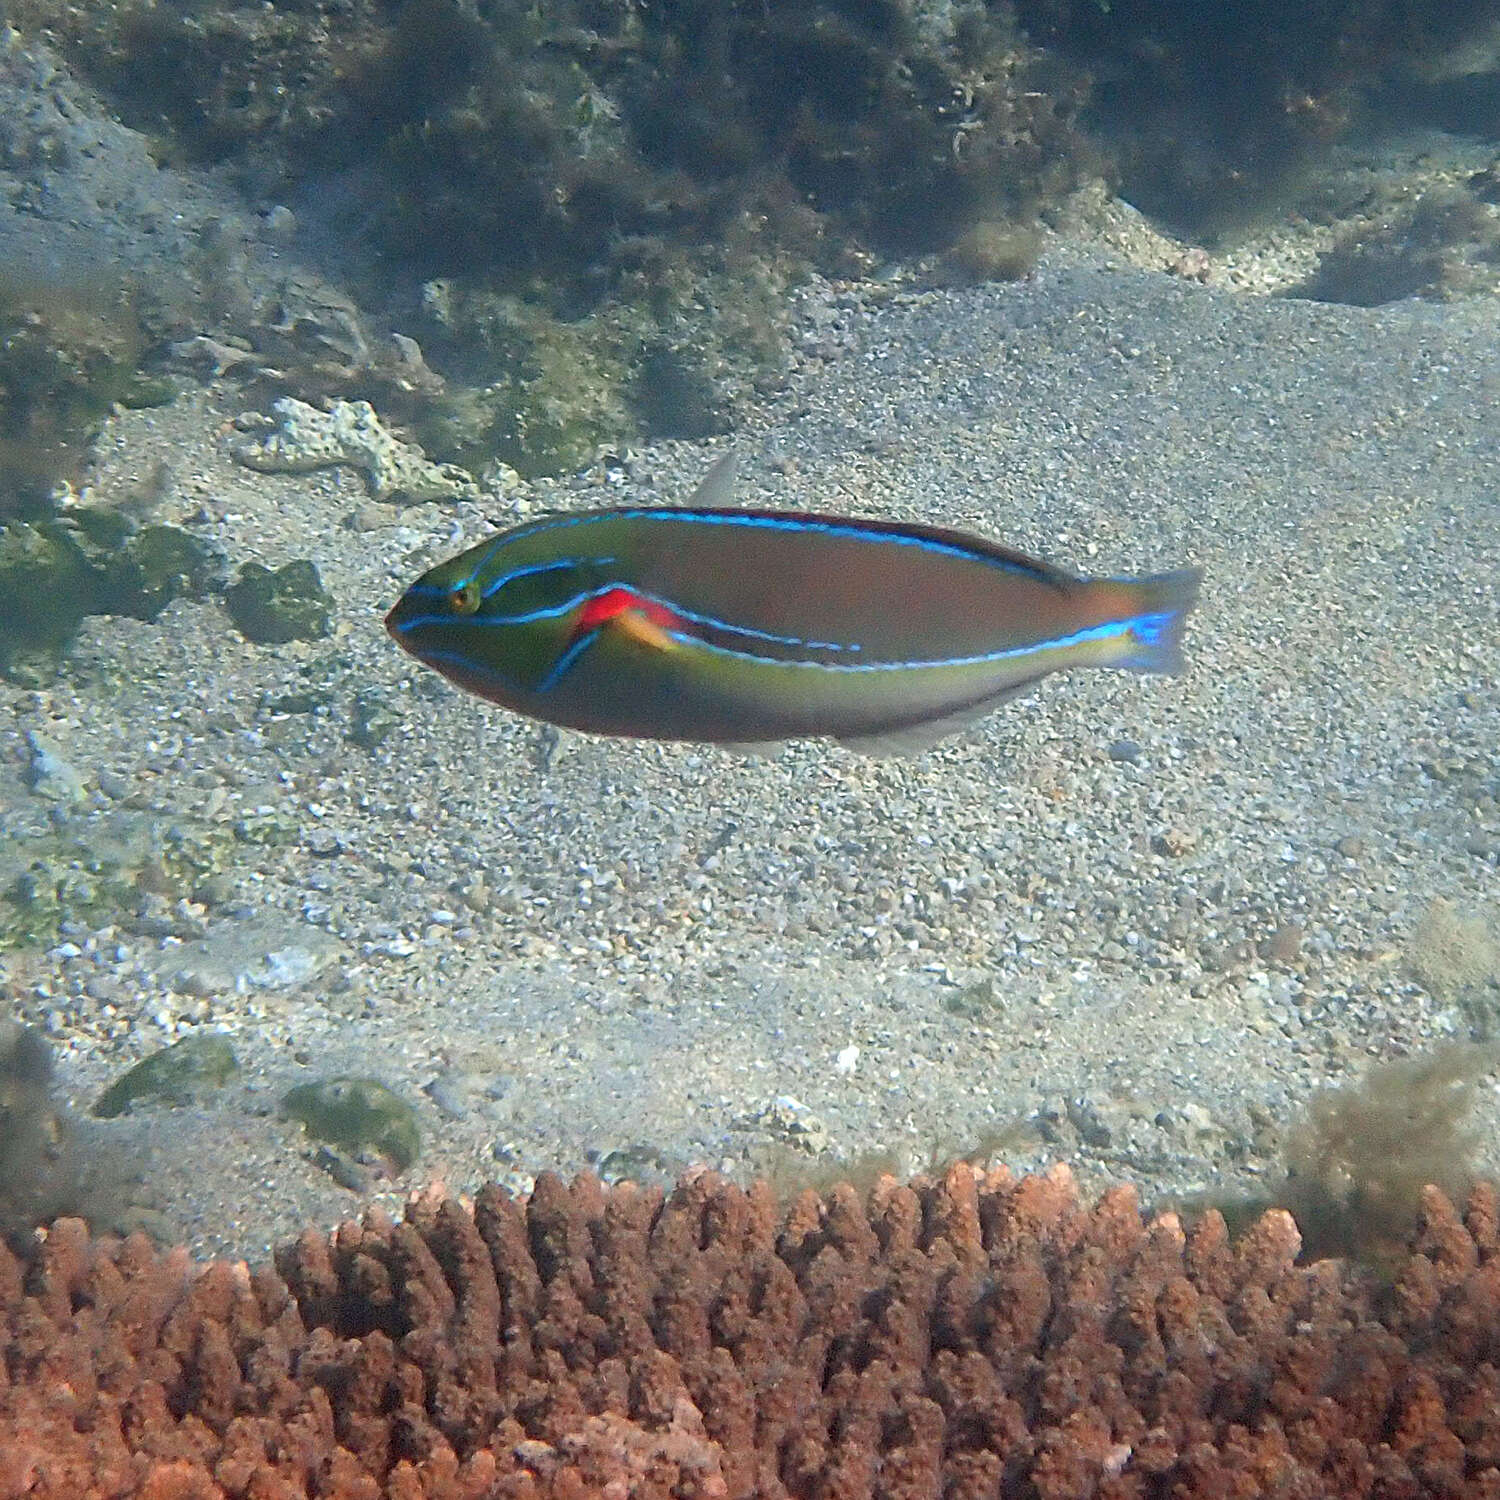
(978, 1336)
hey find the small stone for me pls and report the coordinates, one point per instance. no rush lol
(447, 1091)
(792, 1122)
(48, 774)
(214, 890)
(177, 1074)
(1174, 842)
(1125, 752)
(1284, 944)
(286, 968)
(343, 1169)
(152, 878)
(324, 843)
(374, 516)
(371, 719)
(1351, 846)
(638, 1163)
(279, 223)
(1089, 1120)
(114, 786)
(975, 1002)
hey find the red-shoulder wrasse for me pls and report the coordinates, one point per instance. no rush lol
(749, 626)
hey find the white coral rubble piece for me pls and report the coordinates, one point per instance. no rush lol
(304, 438)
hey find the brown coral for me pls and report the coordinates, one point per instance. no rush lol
(978, 1336)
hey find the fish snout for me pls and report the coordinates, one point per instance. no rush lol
(401, 616)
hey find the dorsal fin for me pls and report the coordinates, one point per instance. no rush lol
(716, 489)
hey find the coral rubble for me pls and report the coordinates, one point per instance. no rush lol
(349, 432)
(980, 1335)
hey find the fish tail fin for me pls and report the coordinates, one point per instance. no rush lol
(1154, 612)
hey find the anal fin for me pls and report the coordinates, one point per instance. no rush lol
(915, 738)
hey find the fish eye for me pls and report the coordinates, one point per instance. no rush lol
(464, 600)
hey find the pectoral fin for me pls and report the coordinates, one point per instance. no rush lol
(634, 624)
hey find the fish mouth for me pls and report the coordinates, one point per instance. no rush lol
(396, 619)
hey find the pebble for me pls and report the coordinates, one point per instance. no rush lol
(1175, 843)
(1285, 944)
(48, 774)
(113, 784)
(447, 1092)
(343, 1169)
(788, 1120)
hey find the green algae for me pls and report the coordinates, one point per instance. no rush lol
(357, 1115)
(1356, 1164)
(178, 1074)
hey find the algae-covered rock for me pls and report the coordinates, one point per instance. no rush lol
(45, 588)
(89, 868)
(138, 571)
(69, 347)
(1442, 246)
(684, 341)
(631, 177)
(1214, 114)
(271, 606)
(178, 1074)
(50, 1163)
(88, 561)
(358, 1115)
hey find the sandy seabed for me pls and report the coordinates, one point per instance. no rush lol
(1130, 922)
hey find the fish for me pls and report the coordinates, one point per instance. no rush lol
(746, 628)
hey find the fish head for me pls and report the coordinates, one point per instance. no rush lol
(495, 618)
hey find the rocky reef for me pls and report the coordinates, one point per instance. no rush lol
(1216, 116)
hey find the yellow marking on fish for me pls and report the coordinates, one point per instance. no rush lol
(634, 624)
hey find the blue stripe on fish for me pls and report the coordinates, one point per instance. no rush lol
(560, 565)
(1008, 653)
(865, 531)
(1151, 630)
(527, 617)
(554, 611)
(563, 664)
